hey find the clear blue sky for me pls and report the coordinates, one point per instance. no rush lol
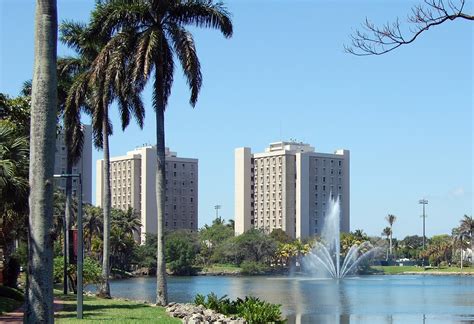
(406, 116)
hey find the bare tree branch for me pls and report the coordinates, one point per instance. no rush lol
(373, 40)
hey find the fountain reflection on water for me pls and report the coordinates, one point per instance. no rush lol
(326, 255)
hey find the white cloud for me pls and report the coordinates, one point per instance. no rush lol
(457, 192)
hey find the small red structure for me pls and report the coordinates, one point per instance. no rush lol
(73, 246)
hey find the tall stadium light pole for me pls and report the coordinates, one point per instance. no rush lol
(217, 207)
(80, 247)
(423, 202)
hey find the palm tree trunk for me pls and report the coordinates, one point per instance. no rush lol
(39, 299)
(105, 287)
(471, 236)
(161, 288)
(390, 240)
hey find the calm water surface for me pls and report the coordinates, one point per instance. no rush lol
(367, 299)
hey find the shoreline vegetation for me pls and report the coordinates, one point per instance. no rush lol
(232, 270)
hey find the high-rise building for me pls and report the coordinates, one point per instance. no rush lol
(133, 185)
(288, 187)
(83, 166)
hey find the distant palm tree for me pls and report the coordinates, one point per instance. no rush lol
(128, 221)
(391, 219)
(150, 33)
(231, 224)
(458, 242)
(467, 227)
(93, 223)
(359, 234)
(387, 232)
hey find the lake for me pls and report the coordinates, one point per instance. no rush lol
(364, 299)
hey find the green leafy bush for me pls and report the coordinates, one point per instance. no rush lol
(252, 267)
(91, 271)
(252, 309)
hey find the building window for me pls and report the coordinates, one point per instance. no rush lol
(191, 199)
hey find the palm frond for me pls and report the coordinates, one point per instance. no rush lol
(203, 13)
(185, 50)
(142, 58)
(114, 15)
(72, 34)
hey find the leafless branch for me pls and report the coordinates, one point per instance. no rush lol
(374, 40)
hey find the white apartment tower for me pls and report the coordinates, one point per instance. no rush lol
(133, 185)
(83, 166)
(288, 187)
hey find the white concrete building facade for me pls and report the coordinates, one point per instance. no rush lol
(133, 185)
(83, 166)
(288, 187)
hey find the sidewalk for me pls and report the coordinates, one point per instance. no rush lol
(17, 316)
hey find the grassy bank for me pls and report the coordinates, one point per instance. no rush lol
(390, 270)
(97, 310)
(222, 269)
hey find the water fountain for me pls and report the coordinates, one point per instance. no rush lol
(326, 255)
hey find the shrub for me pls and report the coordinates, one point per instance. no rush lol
(252, 267)
(255, 310)
(221, 305)
(252, 309)
(91, 271)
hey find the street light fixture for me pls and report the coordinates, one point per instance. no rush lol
(80, 247)
(217, 207)
(423, 202)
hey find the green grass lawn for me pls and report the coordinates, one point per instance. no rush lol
(397, 269)
(222, 267)
(97, 310)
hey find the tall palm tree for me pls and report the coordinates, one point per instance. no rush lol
(152, 32)
(467, 227)
(387, 232)
(391, 219)
(99, 80)
(39, 296)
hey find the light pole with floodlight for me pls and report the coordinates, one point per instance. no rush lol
(423, 202)
(80, 247)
